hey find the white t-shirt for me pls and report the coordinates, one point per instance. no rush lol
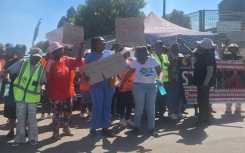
(145, 73)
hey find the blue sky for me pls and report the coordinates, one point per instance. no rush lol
(19, 17)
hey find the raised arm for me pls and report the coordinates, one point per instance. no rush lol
(185, 47)
(227, 42)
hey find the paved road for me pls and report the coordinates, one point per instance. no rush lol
(226, 135)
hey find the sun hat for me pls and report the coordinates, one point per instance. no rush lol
(141, 52)
(233, 45)
(125, 50)
(9, 45)
(36, 52)
(87, 51)
(54, 46)
(20, 47)
(206, 43)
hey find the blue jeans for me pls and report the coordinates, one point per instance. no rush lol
(145, 96)
(102, 97)
(174, 99)
(161, 101)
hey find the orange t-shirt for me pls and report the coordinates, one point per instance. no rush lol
(3, 62)
(128, 84)
(43, 62)
(72, 82)
(84, 87)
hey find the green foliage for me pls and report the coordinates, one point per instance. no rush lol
(179, 18)
(232, 5)
(43, 45)
(70, 14)
(98, 17)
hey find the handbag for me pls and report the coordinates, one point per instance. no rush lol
(114, 81)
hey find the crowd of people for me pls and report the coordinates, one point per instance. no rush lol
(55, 80)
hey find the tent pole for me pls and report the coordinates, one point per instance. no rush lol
(164, 9)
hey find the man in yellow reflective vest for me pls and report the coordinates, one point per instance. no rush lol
(161, 100)
(31, 78)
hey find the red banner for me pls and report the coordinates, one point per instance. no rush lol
(229, 86)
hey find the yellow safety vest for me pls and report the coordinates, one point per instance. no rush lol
(163, 66)
(28, 87)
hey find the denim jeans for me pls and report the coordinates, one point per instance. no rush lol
(161, 101)
(145, 96)
(174, 99)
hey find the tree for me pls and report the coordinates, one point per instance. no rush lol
(232, 5)
(43, 45)
(98, 17)
(70, 13)
(179, 18)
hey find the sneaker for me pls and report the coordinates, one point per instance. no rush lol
(81, 115)
(196, 115)
(15, 144)
(49, 116)
(107, 133)
(153, 133)
(33, 142)
(42, 117)
(213, 111)
(228, 110)
(198, 124)
(92, 133)
(123, 122)
(136, 131)
(129, 122)
(239, 110)
(68, 131)
(180, 115)
(173, 117)
(10, 134)
(56, 135)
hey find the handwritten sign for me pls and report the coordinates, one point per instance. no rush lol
(107, 67)
(236, 35)
(129, 24)
(72, 34)
(56, 36)
(129, 38)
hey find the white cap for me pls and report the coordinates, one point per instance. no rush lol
(206, 43)
(87, 51)
(125, 50)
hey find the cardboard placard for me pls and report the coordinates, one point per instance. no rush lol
(129, 24)
(236, 35)
(72, 34)
(130, 38)
(56, 36)
(108, 66)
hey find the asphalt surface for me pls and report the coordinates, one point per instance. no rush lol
(225, 135)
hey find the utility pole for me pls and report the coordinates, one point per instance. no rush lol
(164, 9)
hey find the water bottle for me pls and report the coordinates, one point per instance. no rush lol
(161, 88)
(7, 87)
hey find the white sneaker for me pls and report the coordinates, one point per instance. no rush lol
(81, 115)
(123, 123)
(49, 116)
(42, 117)
(180, 115)
(129, 122)
(173, 117)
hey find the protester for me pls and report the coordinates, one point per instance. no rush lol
(205, 69)
(233, 55)
(46, 105)
(161, 100)
(9, 103)
(86, 100)
(101, 92)
(27, 85)
(59, 90)
(175, 84)
(125, 93)
(164, 50)
(144, 87)
(9, 51)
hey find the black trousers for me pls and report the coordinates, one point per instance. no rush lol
(114, 98)
(203, 103)
(127, 100)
